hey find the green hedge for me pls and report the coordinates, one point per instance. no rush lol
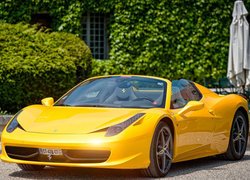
(102, 67)
(36, 64)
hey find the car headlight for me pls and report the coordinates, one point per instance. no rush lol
(13, 124)
(116, 129)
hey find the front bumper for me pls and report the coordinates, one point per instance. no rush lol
(125, 151)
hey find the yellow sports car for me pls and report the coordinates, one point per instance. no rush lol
(128, 122)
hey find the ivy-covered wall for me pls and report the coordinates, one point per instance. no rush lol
(167, 38)
(66, 14)
(173, 39)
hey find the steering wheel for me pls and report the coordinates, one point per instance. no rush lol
(144, 98)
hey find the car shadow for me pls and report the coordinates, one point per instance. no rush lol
(77, 173)
(209, 163)
(178, 169)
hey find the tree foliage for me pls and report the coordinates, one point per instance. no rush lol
(36, 64)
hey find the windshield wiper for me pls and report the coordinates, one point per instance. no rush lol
(63, 105)
(139, 107)
(94, 105)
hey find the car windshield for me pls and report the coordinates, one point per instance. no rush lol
(117, 91)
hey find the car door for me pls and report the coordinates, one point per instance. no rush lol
(194, 127)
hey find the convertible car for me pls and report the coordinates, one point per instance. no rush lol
(128, 122)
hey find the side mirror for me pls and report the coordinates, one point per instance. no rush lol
(191, 106)
(48, 101)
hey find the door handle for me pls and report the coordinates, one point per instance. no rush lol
(211, 111)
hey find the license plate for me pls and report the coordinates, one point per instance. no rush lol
(55, 152)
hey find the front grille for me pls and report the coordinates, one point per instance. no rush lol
(69, 156)
(22, 153)
(88, 156)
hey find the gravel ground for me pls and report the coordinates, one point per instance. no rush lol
(206, 168)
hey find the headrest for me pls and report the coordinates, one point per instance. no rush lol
(123, 93)
(175, 90)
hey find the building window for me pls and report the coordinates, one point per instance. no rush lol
(42, 19)
(95, 34)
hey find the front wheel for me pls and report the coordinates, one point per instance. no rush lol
(238, 138)
(161, 152)
(29, 167)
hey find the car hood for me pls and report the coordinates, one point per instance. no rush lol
(72, 120)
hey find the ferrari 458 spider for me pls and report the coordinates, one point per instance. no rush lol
(128, 122)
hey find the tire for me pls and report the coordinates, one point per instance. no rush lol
(158, 154)
(238, 138)
(28, 167)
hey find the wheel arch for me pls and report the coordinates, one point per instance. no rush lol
(164, 118)
(244, 111)
(170, 123)
(231, 153)
(228, 106)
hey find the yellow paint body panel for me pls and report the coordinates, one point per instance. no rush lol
(197, 134)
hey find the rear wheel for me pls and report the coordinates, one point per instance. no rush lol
(28, 167)
(161, 152)
(238, 138)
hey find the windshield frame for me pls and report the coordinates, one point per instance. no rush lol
(164, 101)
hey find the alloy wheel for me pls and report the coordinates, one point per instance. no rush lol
(163, 150)
(239, 135)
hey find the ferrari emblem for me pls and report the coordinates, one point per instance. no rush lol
(49, 156)
(123, 90)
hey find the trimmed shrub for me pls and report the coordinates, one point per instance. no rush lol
(102, 67)
(36, 64)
